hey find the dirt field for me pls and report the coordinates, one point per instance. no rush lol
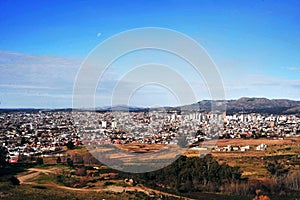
(141, 148)
(243, 142)
(144, 148)
(251, 162)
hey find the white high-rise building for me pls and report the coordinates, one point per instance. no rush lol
(114, 124)
(173, 117)
(103, 124)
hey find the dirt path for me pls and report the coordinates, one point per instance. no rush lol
(32, 174)
(27, 178)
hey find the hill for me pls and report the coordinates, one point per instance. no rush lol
(242, 105)
(249, 105)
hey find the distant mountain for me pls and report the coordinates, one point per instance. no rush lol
(242, 105)
(121, 108)
(264, 105)
(249, 105)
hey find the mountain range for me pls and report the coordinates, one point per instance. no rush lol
(242, 105)
(250, 105)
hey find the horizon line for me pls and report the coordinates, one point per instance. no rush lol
(133, 106)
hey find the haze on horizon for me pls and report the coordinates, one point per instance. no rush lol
(254, 44)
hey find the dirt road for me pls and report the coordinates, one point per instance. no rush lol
(33, 173)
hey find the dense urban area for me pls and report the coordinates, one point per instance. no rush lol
(45, 132)
(236, 156)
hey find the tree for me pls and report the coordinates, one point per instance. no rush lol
(292, 180)
(77, 159)
(194, 174)
(276, 168)
(58, 160)
(39, 161)
(14, 180)
(3, 156)
(81, 171)
(70, 145)
(70, 162)
(23, 140)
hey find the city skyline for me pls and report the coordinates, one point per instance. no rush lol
(254, 45)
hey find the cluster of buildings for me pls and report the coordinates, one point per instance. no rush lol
(229, 148)
(257, 125)
(46, 132)
(31, 134)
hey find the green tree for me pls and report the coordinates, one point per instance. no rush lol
(194, 174)
(14, 180)
(70, 145)
(39, 161)
(23, 140)
(70, 162)
(3, 156)
(58, 160)
(277, 169)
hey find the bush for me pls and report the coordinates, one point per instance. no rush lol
(58, 160)
(80, 171)
(292, 181)
(193, 174)
(39, 161)
(70, 162)
(276, 168)
(14, 180)
(3, 156)
(70, 145)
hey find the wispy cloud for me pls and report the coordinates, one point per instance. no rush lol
(293, 68)
(32, 71)
(262, 85)
(25, 86)
(48, 81)
(33, 79)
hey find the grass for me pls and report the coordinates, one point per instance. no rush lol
(251, 162)
(9, 192)
(46, 178)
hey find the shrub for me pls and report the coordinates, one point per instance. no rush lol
(39, 161)
(80, 171)
(14, 180)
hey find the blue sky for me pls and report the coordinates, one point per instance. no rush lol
(255, 45)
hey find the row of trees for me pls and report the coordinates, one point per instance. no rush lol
(193, 174)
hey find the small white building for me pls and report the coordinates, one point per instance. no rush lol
(261, 147)
(244, 148)
(103, 124)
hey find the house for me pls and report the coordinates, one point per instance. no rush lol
(261, 147)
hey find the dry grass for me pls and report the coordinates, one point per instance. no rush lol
(251, 162)
(243, 142)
